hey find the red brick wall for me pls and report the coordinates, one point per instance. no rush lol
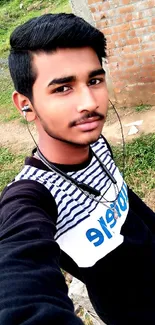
(129, 26)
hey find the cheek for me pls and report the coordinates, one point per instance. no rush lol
(102, 97)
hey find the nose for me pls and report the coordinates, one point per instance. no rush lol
(86, 100)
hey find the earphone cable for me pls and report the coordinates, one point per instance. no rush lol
(123, 140)
(31, 133)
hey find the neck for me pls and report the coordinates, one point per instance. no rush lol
(60, 152)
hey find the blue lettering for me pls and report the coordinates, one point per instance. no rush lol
(124, 190)
(117, 209)
(104, 227)
(122, 202)
(110, 217)
(93, 234)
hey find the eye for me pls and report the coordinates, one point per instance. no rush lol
(93, 82)
(62, 89)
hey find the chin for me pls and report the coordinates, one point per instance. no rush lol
(89, 139)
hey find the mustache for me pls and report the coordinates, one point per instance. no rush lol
(85, 117)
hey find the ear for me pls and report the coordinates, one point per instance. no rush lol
(20, 101)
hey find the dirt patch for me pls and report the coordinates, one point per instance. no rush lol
(150, 199)
(15, 136)
(112, 129)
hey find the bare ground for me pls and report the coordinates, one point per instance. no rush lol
(112, 130)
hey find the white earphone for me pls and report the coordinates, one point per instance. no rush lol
(26, 109)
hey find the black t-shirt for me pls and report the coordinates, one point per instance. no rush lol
(121, 285)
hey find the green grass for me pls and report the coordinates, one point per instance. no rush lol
(142, 107)
(7, 109)
(10, 165)
(139, 163)
(11, 16)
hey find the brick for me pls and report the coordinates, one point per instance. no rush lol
(92, 9)
(130, 56)
(140, 23)
(107, 31)
(121, 28)
(149, 37)
(114, 37)
(120, 42)
(93, 1)
(125, 2)
(136, 47)
(151, 29)
(102, 24)
(147, 69)
(122, 35)
(116, 74)
(141, 31)
(130, 77)
(113, 59)
(130, 49)
(132, 41)
(113, 65)
(147, 53)
(128, 17)
(148, 45)
(153, 20)
(104, 6)
(145, 30)
(146, 79)
(119, 84)
(118, 20)
(115, 3)
(113, 52)
(108, 38)
(142, 60)
(132, 70)
(108, 13)
(150, 3)
(97, 16)
(137, 15)
(126, 9)
(132, 33)
(130, 63)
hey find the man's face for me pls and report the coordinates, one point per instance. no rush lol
(70, 95)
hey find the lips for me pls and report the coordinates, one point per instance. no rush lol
(88, 120)
(88, 124)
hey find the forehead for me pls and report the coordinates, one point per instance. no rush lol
(65, 62)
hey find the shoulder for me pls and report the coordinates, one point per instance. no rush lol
(27, 193)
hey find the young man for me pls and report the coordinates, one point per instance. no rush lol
(69, 206)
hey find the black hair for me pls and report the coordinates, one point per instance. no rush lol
(48, 33)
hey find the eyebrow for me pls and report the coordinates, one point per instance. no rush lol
(59, 81)
(62, 80)
(95, 73)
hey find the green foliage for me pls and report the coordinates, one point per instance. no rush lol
(10, 165)
(139, 163)
(12, 15)
(142, 107)
(7, 109)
